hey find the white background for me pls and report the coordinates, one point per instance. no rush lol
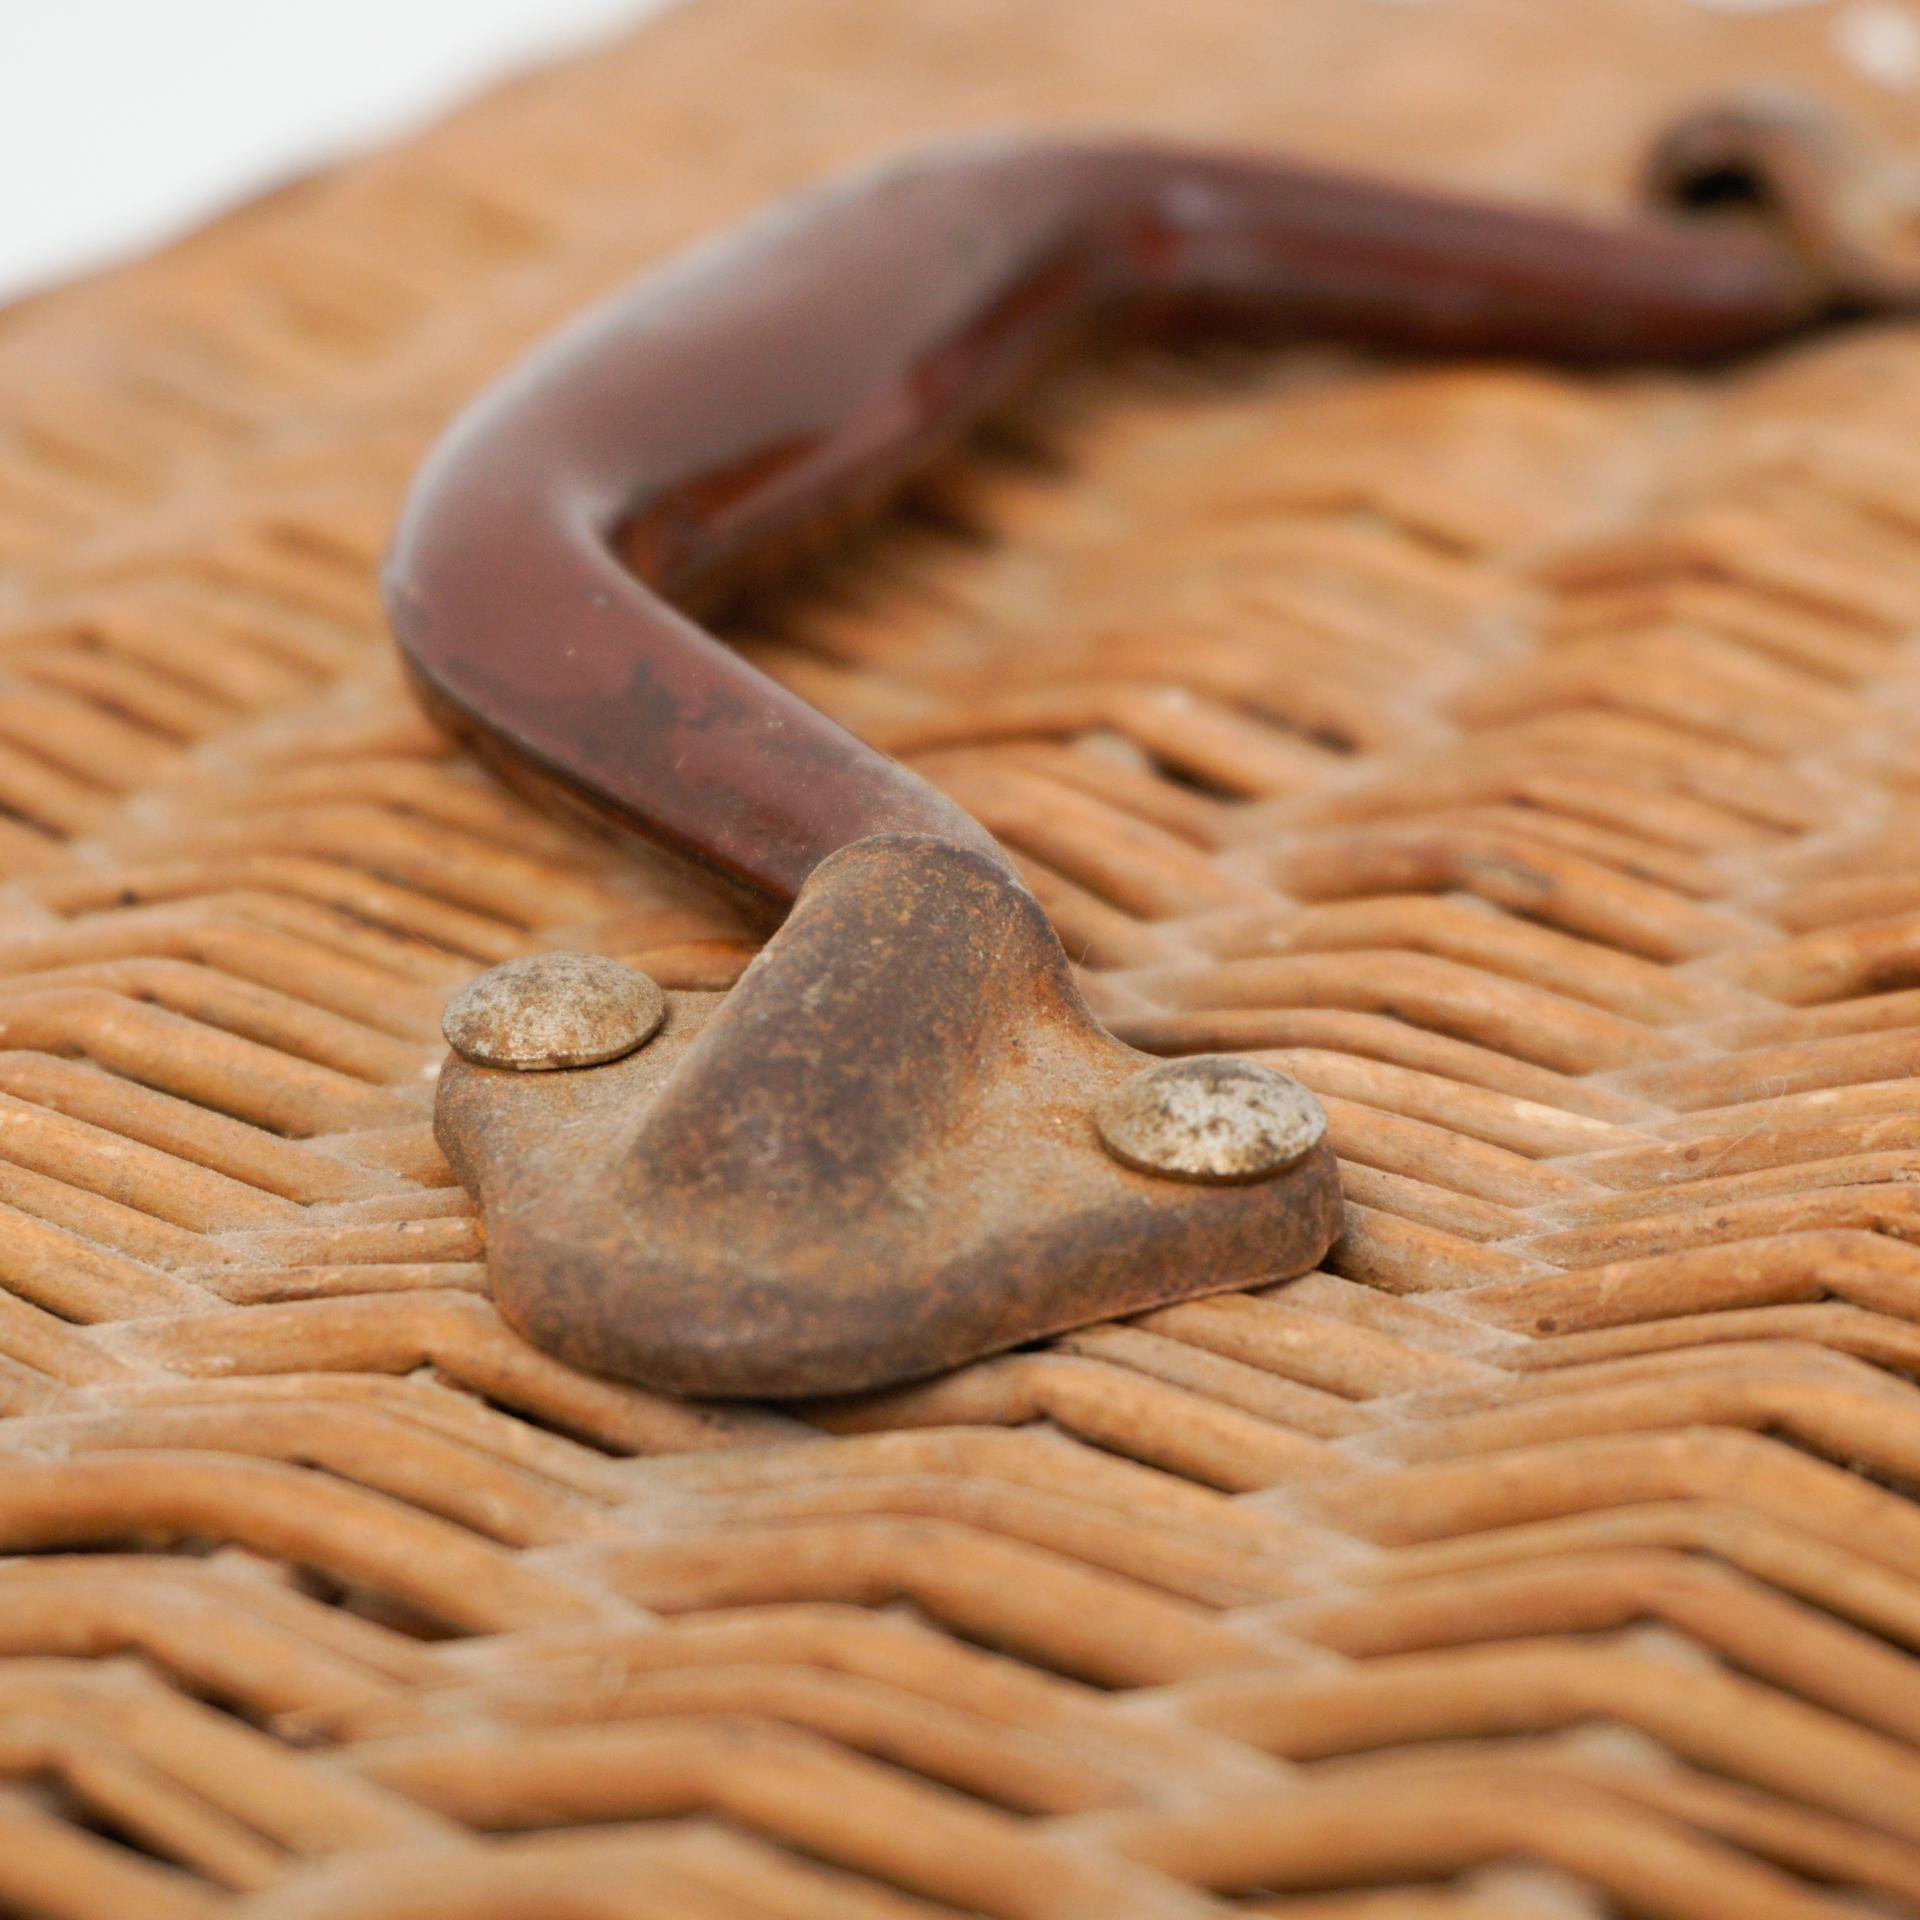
(122, 121)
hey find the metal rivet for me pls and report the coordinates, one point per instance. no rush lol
(553, 1010)
(1212, 1119)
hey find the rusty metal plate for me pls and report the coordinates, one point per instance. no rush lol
(877, 1157)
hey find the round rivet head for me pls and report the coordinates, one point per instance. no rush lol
(553, 1010)
(1212, 1119)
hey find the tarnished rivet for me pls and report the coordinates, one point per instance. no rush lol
(1213, 1119)
(553, 1010)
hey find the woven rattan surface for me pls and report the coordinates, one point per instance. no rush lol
(1525, 763)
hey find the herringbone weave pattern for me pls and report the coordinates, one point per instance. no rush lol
(1525, 763)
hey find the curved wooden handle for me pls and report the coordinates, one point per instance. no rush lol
(734, 402)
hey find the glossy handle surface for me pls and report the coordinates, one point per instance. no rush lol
(729, 407)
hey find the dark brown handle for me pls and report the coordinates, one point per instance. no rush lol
(718, 411)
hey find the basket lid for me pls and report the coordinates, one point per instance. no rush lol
(1518, 760)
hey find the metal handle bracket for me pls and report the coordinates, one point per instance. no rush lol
(902, 1141)
(880, 1154)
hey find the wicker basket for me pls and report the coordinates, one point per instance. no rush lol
(1522, 762)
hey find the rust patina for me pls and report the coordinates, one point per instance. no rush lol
(879, 1153)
